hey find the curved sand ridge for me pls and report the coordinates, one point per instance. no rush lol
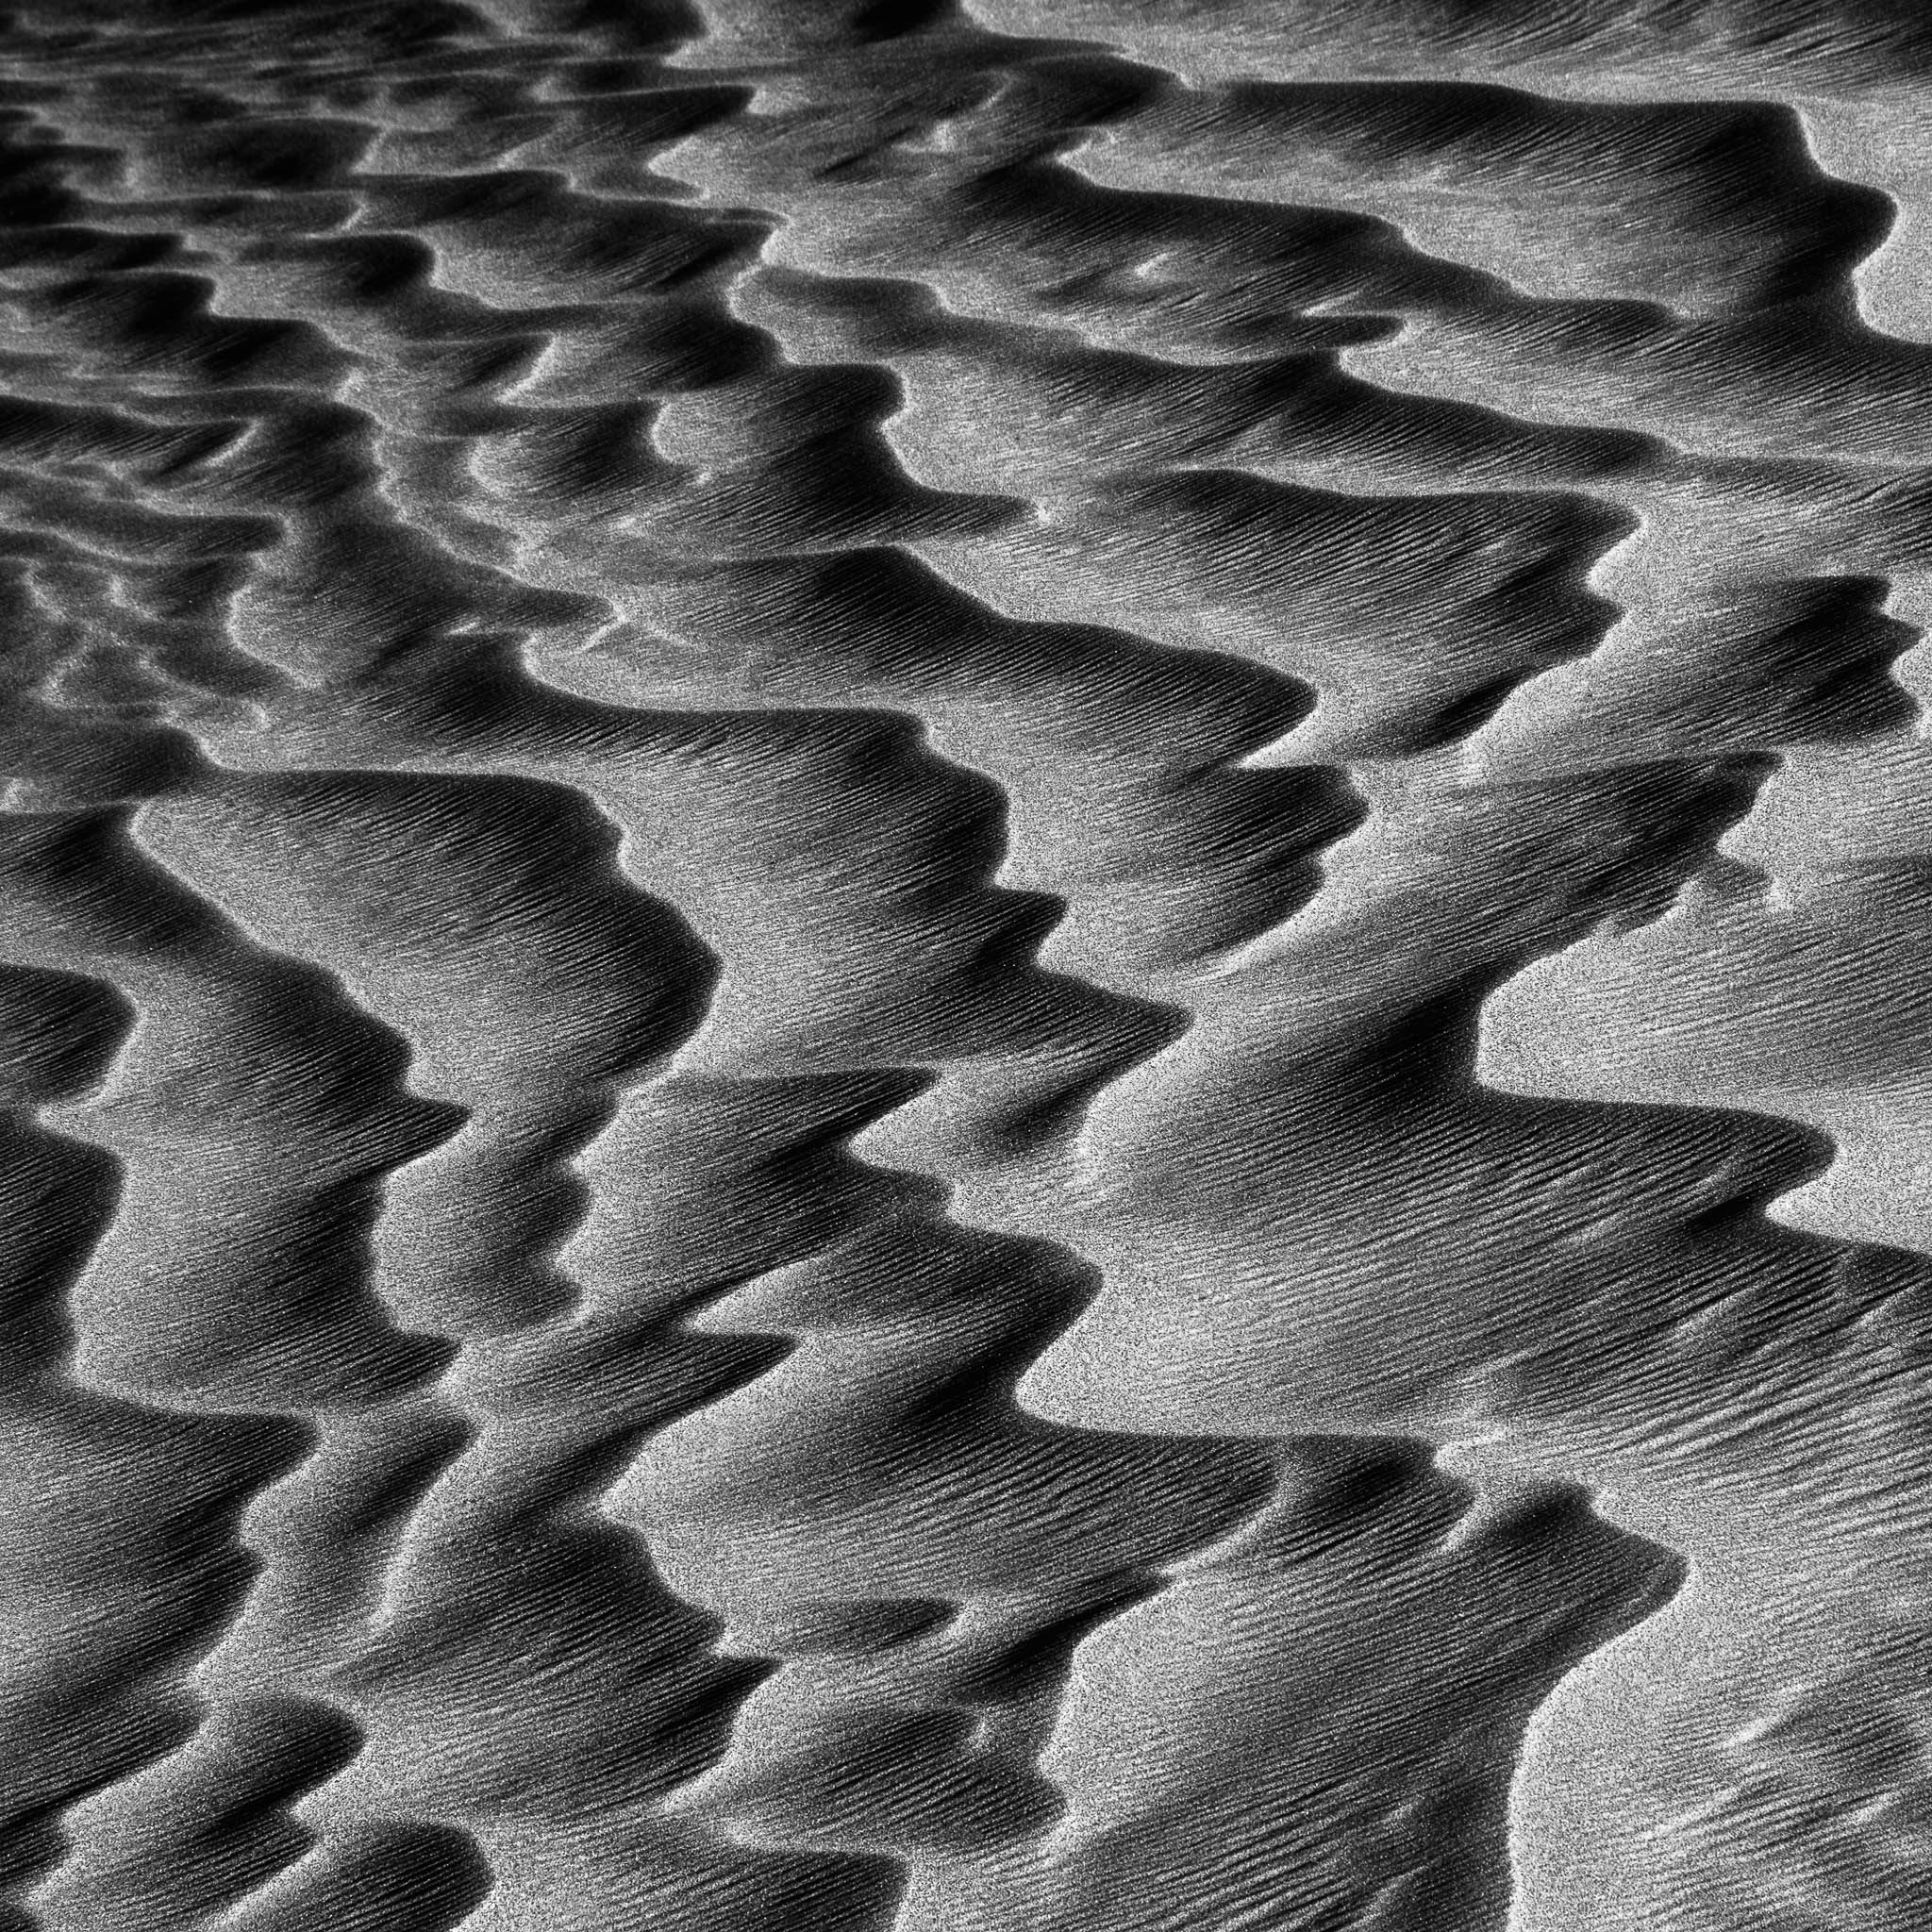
(960, 966)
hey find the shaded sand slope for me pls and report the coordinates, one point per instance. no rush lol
(960, 966)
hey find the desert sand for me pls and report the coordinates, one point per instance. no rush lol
(963, 966)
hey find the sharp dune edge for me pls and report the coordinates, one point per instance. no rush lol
(962, 966)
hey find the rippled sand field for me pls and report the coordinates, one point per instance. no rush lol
(963, 966)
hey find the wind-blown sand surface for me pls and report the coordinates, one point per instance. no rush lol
(964, 966)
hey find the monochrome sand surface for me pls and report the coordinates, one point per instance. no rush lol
(965, 966)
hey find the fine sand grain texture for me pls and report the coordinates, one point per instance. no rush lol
(964, 966)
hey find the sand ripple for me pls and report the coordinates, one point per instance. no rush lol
(960, 966)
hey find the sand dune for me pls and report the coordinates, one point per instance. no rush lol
(960, 966)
